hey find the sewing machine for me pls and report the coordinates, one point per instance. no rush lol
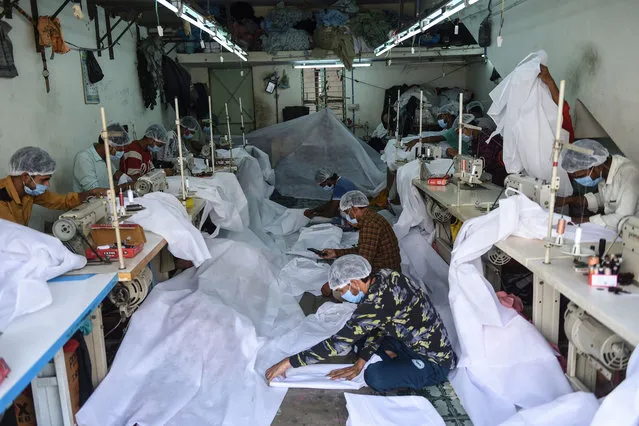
(153, 181)
(430, 152)
(73, 228)
(630, 252)
(468, 169)
(535, 189)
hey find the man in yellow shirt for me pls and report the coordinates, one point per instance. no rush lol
(30, 170)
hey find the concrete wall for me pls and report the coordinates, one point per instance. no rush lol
(590, 45)
(60, 121)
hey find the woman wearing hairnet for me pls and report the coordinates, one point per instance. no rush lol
(90, 169)
(616, 177)
(394, 319)
(191, 141)
(137, 160)
(30, 170)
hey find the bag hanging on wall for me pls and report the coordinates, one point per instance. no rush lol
(94, 71)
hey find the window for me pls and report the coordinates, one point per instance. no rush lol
(323, 88)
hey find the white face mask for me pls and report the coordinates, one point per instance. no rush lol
(327, 188)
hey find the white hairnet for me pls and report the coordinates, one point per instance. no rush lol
(474, 104)
(33, 160)
(353, 199)
(451, 108)
(322, 174)
(158, 133)
(117, 135)
(190, 123)
(466, 119)
(347, 268)
(573, 161)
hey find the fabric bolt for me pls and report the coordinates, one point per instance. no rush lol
(526, 117)
(165, 215)
(374, 410)
(28, 262)
(396, 307)
(89, 171)
(7, 64)
(408, 369)
(618, 196)
(377, 242)
(342, 186)
(18, 210)
(505, 364)
(136, 160)
(573, 409)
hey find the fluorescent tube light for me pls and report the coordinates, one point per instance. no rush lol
(330, 65)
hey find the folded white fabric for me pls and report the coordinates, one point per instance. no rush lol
(301, 275)
(373, 410)
(166, 216)
(29, 259)
(573, 409)
(319, 237)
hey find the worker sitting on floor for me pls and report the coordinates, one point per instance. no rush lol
(616, 177)
(90, 168)
(30, 170)
(330, 181)
(137, 160)
(394, 319)
(377, 241)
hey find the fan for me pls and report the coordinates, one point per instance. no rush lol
(498, 257)
(437, 212)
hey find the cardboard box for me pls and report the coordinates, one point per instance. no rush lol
(102, 235)
(73, 373)
(24, 409)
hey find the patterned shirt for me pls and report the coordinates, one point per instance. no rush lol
(377, 243)
(394, 307)
(136, 161)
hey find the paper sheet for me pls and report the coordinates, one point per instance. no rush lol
(373, 410)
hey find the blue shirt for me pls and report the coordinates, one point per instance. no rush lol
(342, 186)
(89, 171)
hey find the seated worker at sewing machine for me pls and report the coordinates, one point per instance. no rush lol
(189, 128)
(30, 170)
(137, 160)
(90, 168)
(377, 241)
(616, 177)
(446, 119)
(330, 181)
(394, 319)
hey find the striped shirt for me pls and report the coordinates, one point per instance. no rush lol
(136, 160)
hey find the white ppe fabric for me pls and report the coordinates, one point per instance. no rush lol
(29, 259)
(526, 117)
(302, 275)
(165, 215)
(226, 203)
(395, 157)
(250, 173)
(299, 147)
(621, 406)
(618, 196)
(573, 409)
(244, 323)
(374, 410)
(321, 236)
(264, 161)
(504, 362)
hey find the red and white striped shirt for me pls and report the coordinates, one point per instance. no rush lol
(136, 160)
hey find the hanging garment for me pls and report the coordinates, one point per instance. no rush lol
(29, 259)
(165, 215)
(50, 33)
(93, 68)
(505, 363)
(373, 410)
(526, 117)
(177, 83)
(7, 66)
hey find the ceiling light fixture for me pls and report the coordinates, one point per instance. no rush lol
(305, 65)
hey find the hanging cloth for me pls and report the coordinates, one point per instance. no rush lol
(7, 66)
(50, 33)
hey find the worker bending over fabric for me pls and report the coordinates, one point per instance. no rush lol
(90, 168)
(30, 171)
(616, 177)
(394, 319)
(330, 181)
(137, 160)
(189, 128)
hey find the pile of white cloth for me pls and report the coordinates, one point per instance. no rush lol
(395, 157)
(373, 410)
(29, 259)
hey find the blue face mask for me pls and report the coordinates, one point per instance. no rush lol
(207, 130)
(349, 297)
(351, 220)
(39, 189)
(155, 149)
(587, 181)
(327, 188)
(187, 137)
(466, 138)
(116, 158)
(442, 123)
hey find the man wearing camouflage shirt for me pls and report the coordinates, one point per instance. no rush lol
(394, 319)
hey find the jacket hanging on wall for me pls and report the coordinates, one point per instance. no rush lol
(93, 68)
(177, 82)
(7, 66)
(50, 33)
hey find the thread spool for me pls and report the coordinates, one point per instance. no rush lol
(561, 230)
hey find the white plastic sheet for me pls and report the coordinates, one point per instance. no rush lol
(299, 147)
(319, 237)
(573, 409)
(526, 117)
(304, 275)
(504, 363)
(166, 216)
(29, 259)
(373, 410)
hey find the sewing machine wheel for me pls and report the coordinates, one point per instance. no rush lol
(142, 187)
(498, 257)
(64, 229)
